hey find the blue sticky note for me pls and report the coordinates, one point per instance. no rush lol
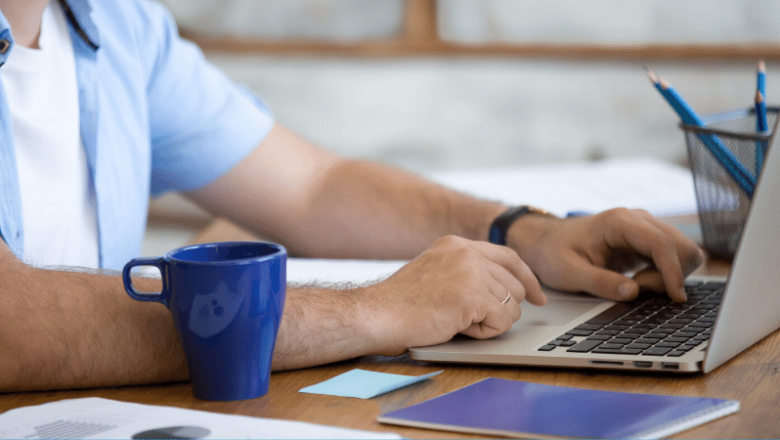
(364, 384)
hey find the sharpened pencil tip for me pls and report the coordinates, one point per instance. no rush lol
(761, 66)
(663, 83)
(651, 75)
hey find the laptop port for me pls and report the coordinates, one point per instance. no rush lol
(605, 362)
(643, 364)
(670, 366)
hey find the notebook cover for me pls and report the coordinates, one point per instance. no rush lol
(519, 409)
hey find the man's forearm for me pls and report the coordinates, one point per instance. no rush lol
(322, 325)
(369, 210)
(75, 330)
(319, 204)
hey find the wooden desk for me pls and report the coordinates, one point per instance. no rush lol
(753, 378)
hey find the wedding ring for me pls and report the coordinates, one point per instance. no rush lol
(508, 297)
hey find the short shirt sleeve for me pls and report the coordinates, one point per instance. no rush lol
(201, 123)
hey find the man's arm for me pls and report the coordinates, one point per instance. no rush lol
(318, 204)
(62, 330)
(74, 330)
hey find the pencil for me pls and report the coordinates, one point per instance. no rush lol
(761, 126)
(761, 123)
(731, 164)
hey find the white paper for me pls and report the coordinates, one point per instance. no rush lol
(102, 418)
(662, 188)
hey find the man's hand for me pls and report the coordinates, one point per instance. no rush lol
(591, 253)
(455, 286)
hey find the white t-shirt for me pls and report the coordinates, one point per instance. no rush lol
(58, 201)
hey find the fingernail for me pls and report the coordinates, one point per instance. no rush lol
(625, 290)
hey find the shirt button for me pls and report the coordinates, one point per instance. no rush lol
(4, 46)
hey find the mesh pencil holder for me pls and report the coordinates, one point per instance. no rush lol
(723, 202)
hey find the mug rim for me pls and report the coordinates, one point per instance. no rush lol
(279, 251)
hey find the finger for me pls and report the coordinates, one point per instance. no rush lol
(690, 254)
(650, 279)
(648, 240)
(493, 318)
(499, 290)
(509, 260)
(603, 283)
(506, 279)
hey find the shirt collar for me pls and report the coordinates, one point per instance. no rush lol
(78, 13)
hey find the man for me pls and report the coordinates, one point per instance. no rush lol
(108, 88)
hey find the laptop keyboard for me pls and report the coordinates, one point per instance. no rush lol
(647, 327)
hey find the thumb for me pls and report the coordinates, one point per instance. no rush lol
(605, 283)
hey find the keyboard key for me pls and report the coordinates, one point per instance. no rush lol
(705, 307)
(587, 326)
(600, 350)
(656, 351)
(584, 346)
(687, 347)
(567, 343)
(676, 353)
(565, 337)
(621, 341)
(688, 316)
(599, 337)
(609, 346)
(668, 344)
(576, 332)
(548, 347)
(675, 339)
(638, 345)
(647, 340)
(686, 334)
(611, 314)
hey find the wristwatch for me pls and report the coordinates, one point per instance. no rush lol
(500, 226)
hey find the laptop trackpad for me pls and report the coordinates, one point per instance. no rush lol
(561, 309)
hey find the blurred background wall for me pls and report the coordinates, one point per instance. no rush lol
(434, 85)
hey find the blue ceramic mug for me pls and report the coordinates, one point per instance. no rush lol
(227, 301)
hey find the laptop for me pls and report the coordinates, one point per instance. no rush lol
(723, 316)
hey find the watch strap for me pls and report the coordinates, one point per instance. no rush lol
(500, 226)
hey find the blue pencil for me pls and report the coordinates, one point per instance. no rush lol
(761, 123)
(731, 164)
(761, 127)
(761, 78)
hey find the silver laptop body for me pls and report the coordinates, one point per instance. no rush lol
(749, 311)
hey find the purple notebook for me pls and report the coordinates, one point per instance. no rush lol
(521, 409)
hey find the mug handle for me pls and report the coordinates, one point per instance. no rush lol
(160, 297)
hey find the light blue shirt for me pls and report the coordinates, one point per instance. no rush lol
(155, 117)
